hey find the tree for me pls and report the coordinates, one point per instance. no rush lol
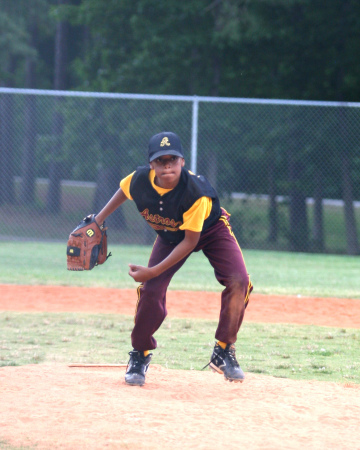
(13, 46)
(28, 159)
(53, 201)
(299, 230)
(347, 186)
(24, 26)
(7, 191)
(109, 174)
(39, 28)
(345, 9)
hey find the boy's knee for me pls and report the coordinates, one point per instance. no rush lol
(153, 290)
(238, 282)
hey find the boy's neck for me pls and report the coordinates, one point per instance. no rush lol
(165, 185)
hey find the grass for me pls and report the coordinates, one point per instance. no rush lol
(271, 272)
(289, 351)
(5, 445)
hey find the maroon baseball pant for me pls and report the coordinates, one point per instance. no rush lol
(223, 252)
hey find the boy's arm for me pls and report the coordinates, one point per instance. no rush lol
(116, 200)
(187, 245)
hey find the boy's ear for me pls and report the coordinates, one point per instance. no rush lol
(182, 162)
(151, 166)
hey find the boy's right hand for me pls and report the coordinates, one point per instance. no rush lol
(141, 273)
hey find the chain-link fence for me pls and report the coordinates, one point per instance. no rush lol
(287, 171)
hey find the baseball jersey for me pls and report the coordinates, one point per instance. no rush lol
(192, 205)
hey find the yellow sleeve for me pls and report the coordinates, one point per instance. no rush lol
(195, 216)
(125, 185)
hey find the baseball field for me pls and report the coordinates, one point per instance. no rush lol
(64, 339)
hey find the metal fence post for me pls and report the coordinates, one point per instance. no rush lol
(194, 134)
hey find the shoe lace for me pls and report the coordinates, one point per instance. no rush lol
(230, 353)
(136, 359)
(211, 360)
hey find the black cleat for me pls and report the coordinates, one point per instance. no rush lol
(224, 361)
(137, 367)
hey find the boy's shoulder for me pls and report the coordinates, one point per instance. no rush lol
(199, 185)
(141, 175)
(198, 180)
(142, 171)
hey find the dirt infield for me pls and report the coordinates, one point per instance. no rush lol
(332, 312)
(56, 406)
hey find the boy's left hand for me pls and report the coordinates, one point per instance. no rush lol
(140, 273)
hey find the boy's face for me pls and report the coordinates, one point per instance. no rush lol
(167, 170)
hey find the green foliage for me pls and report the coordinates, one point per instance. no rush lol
(18, 20)
(277, 49)
(103, 133)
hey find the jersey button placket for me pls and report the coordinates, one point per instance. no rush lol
(161, 208)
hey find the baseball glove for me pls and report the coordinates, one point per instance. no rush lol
(87, 245)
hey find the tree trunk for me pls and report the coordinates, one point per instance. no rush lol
(53, 201)
(212, 166)
(212, 157)
(298, 233)
(27, 190)
(7, 189)
(61, 54)
(109, 175)
(345, 159)
(347, 187)
(350, 221)
(108, 179)
(273, 212)
(318, 223)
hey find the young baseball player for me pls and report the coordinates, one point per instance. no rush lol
(185, 212)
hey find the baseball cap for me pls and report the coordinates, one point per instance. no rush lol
(165, 143)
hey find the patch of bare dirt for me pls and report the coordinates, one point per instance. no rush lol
(84, 408)
(61, 407)
(332, 312)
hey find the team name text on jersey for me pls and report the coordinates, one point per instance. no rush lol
(155, 219)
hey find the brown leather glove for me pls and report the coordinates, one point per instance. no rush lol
(87, 245)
